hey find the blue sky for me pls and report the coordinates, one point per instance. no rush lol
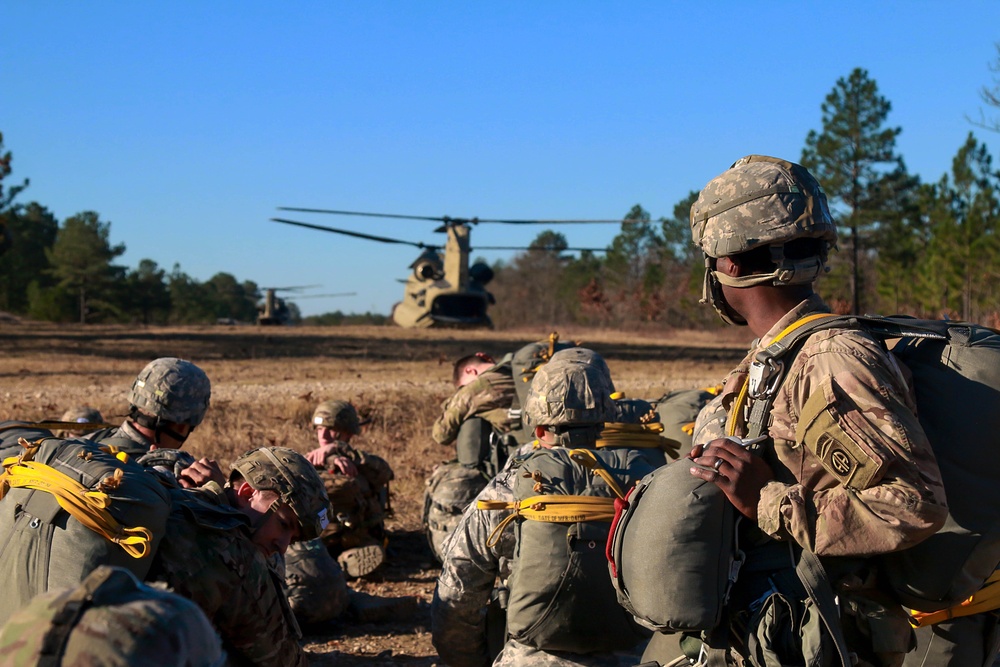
(185, 124)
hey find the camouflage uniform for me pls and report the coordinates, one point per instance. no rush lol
(126, 437)
(314, 583)
(470, 568)
(360, 503)
(856, 393)
(110, 620)
(489, 397)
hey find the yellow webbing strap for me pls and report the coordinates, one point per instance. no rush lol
(737, 410)
(549, 508)
(86, 506)
(985, 599)
(639, 436)
(50, 425)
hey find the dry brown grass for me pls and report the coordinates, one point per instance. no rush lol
(266, 382)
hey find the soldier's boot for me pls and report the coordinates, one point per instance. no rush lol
(361, 561)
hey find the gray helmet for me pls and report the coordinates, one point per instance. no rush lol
(172, 390)
(761, 201)
(81, 414)
(110, 619)
(338, 415)
(573, 389)
(294, 479)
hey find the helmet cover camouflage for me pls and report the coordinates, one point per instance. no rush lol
(337, 415)
(760, 200)
(111, 619)
(295, 480)
(82, 414)
(573, 389)
(173, 390)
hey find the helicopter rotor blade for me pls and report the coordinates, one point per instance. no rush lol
(359, 213)
(449, 220)
(321, 296)
(295, 288)
(359, 235)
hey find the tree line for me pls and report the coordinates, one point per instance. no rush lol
(928, 249)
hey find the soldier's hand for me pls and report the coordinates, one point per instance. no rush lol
(201, 472)
(344, 466)
(736, 471)
(317, 457)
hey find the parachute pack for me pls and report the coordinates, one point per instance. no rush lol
(956, 377)
(68, 506)
(450, 489)
(560, 598)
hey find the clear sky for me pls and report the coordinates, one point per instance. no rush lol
(185, 124)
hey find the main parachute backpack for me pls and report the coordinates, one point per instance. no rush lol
(956, 376)
(68, 506)
(450, 489)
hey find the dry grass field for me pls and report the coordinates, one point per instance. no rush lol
(266, 382)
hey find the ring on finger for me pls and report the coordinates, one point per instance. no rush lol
(718, 464)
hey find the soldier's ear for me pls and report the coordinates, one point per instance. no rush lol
(244, 491)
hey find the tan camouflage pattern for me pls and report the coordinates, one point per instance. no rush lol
(221, 570)
(489, 397)
(172, 389)
(126, 623)
(359, 504)
(806, 502)
(575, 387)
(338, 415)
(314, 583)
(81, 414)
(294, 479)
(722, 226)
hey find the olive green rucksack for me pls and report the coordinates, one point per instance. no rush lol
(956, 377)
(44, 544)
(678, 411)
(561, 598)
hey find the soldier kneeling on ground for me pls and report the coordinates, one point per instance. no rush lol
(357, 483)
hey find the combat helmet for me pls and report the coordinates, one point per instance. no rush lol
(81, 414)
(295, 480)
(761, 201)
(110, 619)
(337, 415)
(172, 390)
(572, 390)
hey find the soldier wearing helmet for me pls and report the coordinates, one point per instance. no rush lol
(358, 485)
(112, 620)
(167, 400)
(567, 407)
(81, 414)
(765, 230)
(218, 542)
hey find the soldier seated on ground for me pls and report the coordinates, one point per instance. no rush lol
(81, 414)
(358, 486)
(218, 540)
(167, 401)
(111, 620)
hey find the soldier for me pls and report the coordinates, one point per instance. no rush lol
(845, 473)
(567, 405)
(217, 542)
(81, 414)
(358, 486)
(111, 620)
(167, 401)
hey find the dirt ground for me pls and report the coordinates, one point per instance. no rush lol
(266, 382)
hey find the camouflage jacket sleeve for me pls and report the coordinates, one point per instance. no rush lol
(470, 570)
(855, 474)
(489, 396)
(223, 572)
(376, 470)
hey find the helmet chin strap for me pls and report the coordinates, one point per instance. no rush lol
(158, 426)
(711, 293)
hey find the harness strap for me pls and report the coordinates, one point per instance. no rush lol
(86, 506)
(551, 509)
(985, 599)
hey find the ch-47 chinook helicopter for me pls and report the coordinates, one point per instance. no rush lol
(274, 309)
(442, 289)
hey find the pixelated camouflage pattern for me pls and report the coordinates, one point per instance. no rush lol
(171, 462)
(123, 623)
(314, 583)
(207, 556)
(172, 389)
(515, 654)
(81, 414)
(489, 397)
(574, 388)
(338, 415)
(294, 479)
(759, 201)
(872, 403)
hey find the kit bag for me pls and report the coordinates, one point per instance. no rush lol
(449, 490)
(956, 377)
(69, 506)
(560, 597)
(672, 551)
